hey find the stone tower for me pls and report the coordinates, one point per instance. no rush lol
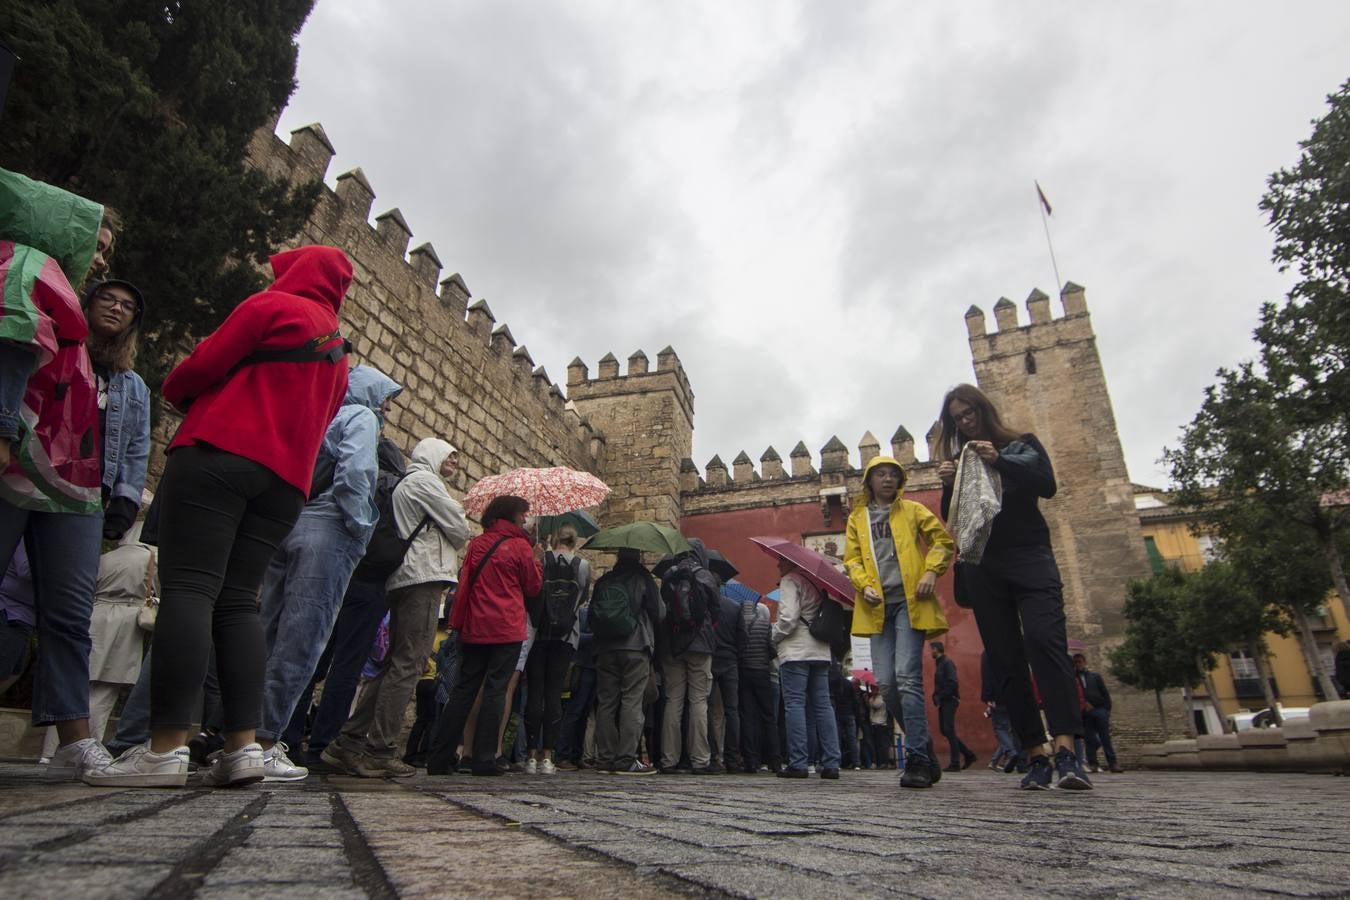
(648, 421)
(1046, 377)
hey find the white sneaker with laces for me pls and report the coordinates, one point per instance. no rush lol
(548, 768)
(142, 767)
(244, 766)
(531, 766)
(277, 765)
(71, 762)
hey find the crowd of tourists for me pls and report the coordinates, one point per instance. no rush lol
(287, 538)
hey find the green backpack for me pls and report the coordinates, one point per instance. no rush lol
(614, 605)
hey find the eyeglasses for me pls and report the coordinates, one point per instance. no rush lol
(969, 414)
(116, 302)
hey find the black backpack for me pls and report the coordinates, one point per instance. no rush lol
(831, 625)
(615, 605)
(687, 604)
(556, 612)
(386, 549)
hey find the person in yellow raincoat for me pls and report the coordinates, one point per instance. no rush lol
(896, 606)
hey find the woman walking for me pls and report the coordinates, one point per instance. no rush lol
(804, 671)
(258, 396)
(1015, 590)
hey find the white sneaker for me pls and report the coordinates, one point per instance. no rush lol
(531, 766)
(142, 767)
(244, 766)
(71, 762)
(277, 766)
(548, 768)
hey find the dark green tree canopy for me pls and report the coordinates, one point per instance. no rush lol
(149, 108)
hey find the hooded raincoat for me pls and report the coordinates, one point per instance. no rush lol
(434, 553)
(352, 442)
(47, 241)
(274, 413)
(909, 522)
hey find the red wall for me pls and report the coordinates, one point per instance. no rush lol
(730, 532)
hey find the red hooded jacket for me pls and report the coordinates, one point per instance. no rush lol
(490, 609)
(273, 413)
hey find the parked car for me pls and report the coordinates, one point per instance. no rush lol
(1265, 718)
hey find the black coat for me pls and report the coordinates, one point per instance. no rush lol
(1094, 690)
(946, 685)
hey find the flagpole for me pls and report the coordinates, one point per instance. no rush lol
(1045, 221)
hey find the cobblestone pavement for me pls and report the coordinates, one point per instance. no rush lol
(1137, 835)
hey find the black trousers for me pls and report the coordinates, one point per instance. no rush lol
(545, 677)
(488, 666)
(726, 681)
(424, 726)
(759, 720)
(222, 518)
(1018, 601)
(947, 725)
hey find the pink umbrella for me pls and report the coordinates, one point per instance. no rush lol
(818, 568)
(551, 492)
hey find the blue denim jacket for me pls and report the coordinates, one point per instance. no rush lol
(126, 444)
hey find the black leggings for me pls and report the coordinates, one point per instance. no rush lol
(222, 518)
(545, 674)
(1019, 608)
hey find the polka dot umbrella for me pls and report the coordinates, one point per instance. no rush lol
(550, 492)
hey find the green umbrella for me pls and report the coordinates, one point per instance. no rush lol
(580, 521)
(647, 536)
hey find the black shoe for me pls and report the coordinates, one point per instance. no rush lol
(919, 771)
(1039, 774)
(934, 771)
(831, 774)
(970, 761)
(1069, 772)
(670, 770)
(954, 767)
(792, 773)
(502, 763)
(718, 769)
(448, 768)
(487, 771)
(202, 746)
(1116, 769)
(707, 770)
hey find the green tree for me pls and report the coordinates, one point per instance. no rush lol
(149, 108)
(1155, 655)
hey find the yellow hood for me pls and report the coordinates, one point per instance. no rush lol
(866, 497)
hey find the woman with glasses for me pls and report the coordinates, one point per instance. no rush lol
(1015, 590)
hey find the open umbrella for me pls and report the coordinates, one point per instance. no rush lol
(865, 676)
(550, 492)
(818, 568)
(720, 566)
(740, 593)
(648, 536)
(580, 521)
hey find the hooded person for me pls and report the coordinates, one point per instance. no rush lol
(686, 648)
(49, 446)
(433, 523)
(895, 606)
(258, 395)
(307, 578)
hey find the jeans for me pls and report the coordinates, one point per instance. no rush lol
(847, 722)
(133, 726)
(688, 676)
(759, 720)
(17, 364)
(376, 724)
(897, 662)
(488, 666)
(301, 596)
(222, 518)
(806, 699)
(363, 606)
(572, 734)
(621, 680)
(725, 730)
(63, 551)
(947, 725)
(1097, 731)
(1003, 733)
(1018, 603)
(546, 676)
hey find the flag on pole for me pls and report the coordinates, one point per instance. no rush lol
(1044, 202)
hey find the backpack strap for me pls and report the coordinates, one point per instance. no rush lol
(421, 526)
(324, 348)
(477, 570)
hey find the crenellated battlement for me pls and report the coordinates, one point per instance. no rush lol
(639, 378)
(1041, 332)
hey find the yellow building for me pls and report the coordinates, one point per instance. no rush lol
(1169, 541)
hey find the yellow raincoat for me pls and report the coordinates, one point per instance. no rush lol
(909, 522)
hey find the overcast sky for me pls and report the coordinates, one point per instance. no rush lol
(804, 198)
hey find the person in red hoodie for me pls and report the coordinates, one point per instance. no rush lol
(258, 395)
(500, 569)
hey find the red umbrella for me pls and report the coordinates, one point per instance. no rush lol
(865, 676)
(551, 492)
(818, 568)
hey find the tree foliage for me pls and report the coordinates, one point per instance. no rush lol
(149, 108)
(1156, 655)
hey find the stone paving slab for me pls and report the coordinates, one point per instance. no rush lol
(1148, 834)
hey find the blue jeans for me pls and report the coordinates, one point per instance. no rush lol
(572, 736)
(807, 707)
(301, 596)
(17, 363)
(1003, 733)
(63, 550)
(359, 618)
(897, 662)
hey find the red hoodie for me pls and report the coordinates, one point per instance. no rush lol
(273, 413)
(490, 609)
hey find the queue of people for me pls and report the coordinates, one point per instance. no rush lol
(287, 530)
